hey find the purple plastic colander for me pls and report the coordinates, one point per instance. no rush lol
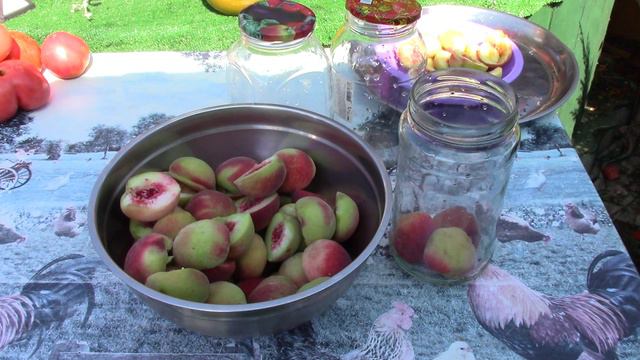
(513, 68)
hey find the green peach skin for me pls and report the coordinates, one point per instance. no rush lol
(271, 288)
(139, 229)
(186, 195)
(450, 252)
(231, 169)
(186, 284)
(225, 293)
(149, 196)
(459, 217)
(282, 238)
(292, 268)
(347, 217)
(317, 219)
(289, 209)
(193, 172)
(147, 256)
(263, 179)
(171, 224)
(313, 283)
(252, 263)
(497, 72)
(241, 232)
(471, 64)
(203, 244)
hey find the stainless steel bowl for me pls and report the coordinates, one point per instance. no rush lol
(344, 163)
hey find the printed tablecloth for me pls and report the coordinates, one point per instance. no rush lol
(561, 285)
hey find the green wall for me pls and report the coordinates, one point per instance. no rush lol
(566, 20)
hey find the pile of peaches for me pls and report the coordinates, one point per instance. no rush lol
(245, 232)
(455, 48)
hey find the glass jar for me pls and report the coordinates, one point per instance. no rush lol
(458, 139)
(278, 60)
(376, 57)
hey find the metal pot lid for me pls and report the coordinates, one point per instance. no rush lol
(277, 21)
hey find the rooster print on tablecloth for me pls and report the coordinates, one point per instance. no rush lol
(388, 337)
(47, 300)
(512, 228)
(387, 340)
(69, 223)
(9, 235)
(580, 220)
(586, 326)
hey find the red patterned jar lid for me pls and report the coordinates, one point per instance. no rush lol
(277, 20)
(385, 12)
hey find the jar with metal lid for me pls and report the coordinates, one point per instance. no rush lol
(278, 60)
(458, 140)
(376, 56)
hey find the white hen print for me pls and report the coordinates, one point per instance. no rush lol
(459, 350)
(68, 223)
(387, 338)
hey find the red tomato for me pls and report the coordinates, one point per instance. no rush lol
(8, 99)
(5, 43)
(66, 55)
(26, 48)
(31, 88)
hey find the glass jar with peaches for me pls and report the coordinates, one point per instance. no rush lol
(458, 139)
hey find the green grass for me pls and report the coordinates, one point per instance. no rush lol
(143, 25)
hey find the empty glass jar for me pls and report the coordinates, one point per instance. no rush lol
(278, 60)
(376, 56)
(458, 139)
